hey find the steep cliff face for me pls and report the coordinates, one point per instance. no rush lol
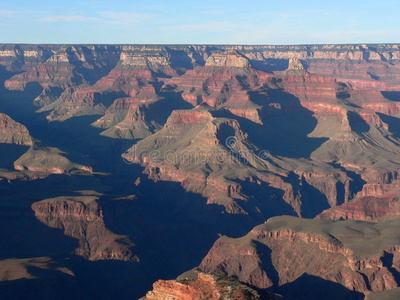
(376, 202)
(68, 66)
(158, 60)
(284, 248)
(251, 131)
(306, 86)
(16, 58)
(367, 65)
(81, 218)
(362, 66)
(117, 111)
(210, 154)
(129, 82)
(12, 132)
(134, 117)
(347, 120)
(223, 81)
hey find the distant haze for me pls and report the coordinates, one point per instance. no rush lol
(199, 22)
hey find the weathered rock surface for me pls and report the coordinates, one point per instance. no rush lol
(12, 132)
(81, 218)
(67, 66)
(376, 202)
(253, 131)
(204, 286)
(362, 257)
(223, 81)
(210, 154)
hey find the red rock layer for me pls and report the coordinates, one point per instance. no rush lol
(119, 110)
(12, 132)
(67, 67)
(270, 257)
(310, 87)
(16, 58)
(376, 202)
(129, 79)
(85, 223)
(206, 286)
(223, 79)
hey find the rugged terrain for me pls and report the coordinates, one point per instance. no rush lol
(122, 165)
(360, 256)
(204, 286)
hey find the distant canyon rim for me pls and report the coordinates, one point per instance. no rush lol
(200, 171)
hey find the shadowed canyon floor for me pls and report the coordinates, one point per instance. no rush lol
(122, 166)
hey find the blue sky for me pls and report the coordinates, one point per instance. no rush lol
(199, 22)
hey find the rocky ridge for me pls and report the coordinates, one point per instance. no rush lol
(251, 132)
(284, 248)
(12, 132)
(81, 218)
(204, 286)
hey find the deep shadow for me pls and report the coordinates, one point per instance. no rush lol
(180, 60)
(107, 97)
(355, 185)
(340, 193)
(280, 132)
(22, 193)
(268, 200)
(9, 153)
(357, 124)
(19, 105)
(392, 95)
(82, 142)
(112, 279)
(393, 123)
(387, 261)
(170, 101)
(97, 68)
(266, 262)
(272, 64)
(5, 74)
(343, 92)
(198, 58)
(366, 279)
(22, 234)
(90, 280)
(281, 115)
(262, 65)
(373, 76)
(308, 287)
(313, 201)
(172, 229)
(49, 285)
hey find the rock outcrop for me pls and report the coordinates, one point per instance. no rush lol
(211, 154)
(245, 132)
(67, 66)
(48, 160)
(283, 249)
(12, 132)
(204, 286)
(376, 202)
(81, 218)
(223, 81)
